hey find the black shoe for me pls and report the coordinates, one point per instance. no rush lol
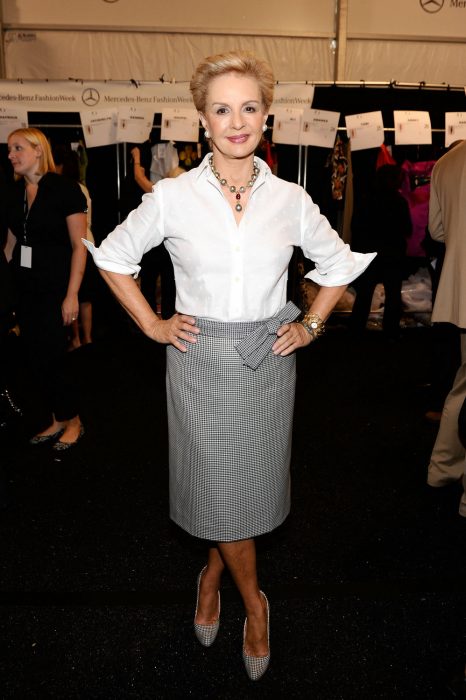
(61, 446)
(43, 439)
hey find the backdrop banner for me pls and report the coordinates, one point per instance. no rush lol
(292, 96)
(76, 96)
(407, 18)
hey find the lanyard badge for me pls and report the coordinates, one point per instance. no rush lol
(26, 250)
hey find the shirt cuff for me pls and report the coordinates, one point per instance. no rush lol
(105, 263)
(352, 267)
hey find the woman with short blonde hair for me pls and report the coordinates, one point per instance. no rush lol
(242, 63)
(230, 226)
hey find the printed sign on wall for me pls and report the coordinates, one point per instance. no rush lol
(412, 127)
(99, 127)
(319, 127)
(455, 127)
(11, 119)
(365, 130)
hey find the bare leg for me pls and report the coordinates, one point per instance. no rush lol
(72, 428)
(207, 610)
(75, 341)
(240, 558)
(54, 427)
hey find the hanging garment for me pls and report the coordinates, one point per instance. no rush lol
(415, 187)
(384, 157)
(339, 169)
(164, 160)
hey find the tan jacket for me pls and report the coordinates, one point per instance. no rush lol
(447, 223)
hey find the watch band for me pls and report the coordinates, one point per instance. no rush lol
(314, 325)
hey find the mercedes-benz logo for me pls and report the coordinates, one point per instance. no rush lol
(90, 97)
(431, 5)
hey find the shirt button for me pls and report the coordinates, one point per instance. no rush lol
(237, 248)
(236, 279)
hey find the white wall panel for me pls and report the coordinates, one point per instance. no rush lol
(406, 61)
(408, 18)
(297, 17)
(111, 56)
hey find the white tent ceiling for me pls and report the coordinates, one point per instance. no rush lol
(404, 40)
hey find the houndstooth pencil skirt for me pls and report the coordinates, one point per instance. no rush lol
(229, 435)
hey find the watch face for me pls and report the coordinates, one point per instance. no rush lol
(314, 324)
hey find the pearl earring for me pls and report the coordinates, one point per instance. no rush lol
(207, 134)
(264, 128)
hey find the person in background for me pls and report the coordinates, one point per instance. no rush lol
(446, 337)
(230, 226)
(447, 223)
(384, 226)
(46, 217)
(67, 164)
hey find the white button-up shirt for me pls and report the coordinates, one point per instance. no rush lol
(223, 270)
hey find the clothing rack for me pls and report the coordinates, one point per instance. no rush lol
(384, 84)
(393, 84)
(301, 156)
(118, 156)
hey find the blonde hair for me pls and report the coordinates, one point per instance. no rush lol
(241, 62)
(36, 138)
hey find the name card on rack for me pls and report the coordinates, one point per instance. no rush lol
(365, 130)
(319, 127)
(180, 125)
(455, 127)
(11, 118)
(99, 127)
(287, 126)
(134, 124)
(412, 127)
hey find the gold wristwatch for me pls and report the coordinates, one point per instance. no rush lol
(314, 325)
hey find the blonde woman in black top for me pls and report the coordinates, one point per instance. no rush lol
(46, 222)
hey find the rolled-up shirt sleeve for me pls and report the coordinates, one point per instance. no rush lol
(335, 263)
(124, 247)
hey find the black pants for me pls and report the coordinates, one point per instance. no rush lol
(388, 271)
(48, 373)
(6, 323)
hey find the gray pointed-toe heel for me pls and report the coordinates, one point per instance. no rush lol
(206, 634)
(256, 666)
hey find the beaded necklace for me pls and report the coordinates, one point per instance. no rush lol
(237, 190)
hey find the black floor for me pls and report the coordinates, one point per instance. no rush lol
(366, 579)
